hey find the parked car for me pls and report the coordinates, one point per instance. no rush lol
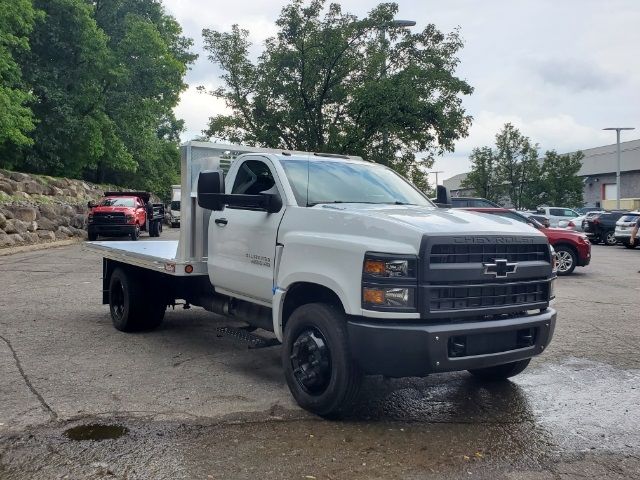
(556, 214)
(575, 224)
(585, 210)
(624, 226)
(466, 202)
(600, 227)
(572, 248)
(124, 214)
(541, 219)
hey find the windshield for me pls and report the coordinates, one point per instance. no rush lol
(118, 202)
(318, 181)
(175, 205)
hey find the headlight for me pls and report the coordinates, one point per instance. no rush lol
(398, 297)
(389, 282)
(378, 266)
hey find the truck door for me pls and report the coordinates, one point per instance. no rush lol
(242, 241)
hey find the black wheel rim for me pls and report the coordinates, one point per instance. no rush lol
(117, 299)
(311, 361)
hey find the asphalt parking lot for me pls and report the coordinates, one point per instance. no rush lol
(184, 402)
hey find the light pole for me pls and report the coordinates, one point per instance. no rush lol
(618, 129)
(392, 23)
(439, 171)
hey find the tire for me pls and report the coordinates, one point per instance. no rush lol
(156, 228)
(133, 303)
(629, 246)
(135, 234)
(329, 387)
(501, 372)
(567, 259)
(92, 236)
(610, 238)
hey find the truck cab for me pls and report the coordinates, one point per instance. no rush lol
(350, 266)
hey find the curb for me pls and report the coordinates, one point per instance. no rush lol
(39, 246)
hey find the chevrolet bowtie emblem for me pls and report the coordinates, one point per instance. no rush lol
(500, 268)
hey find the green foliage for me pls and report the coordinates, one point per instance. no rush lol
(17, 18)
(105, 76)
(483, 177)
(513, 171)
(327, 82)
(517, 166)
(560, 184)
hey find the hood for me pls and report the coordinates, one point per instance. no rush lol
(436, 220)
(105, 209)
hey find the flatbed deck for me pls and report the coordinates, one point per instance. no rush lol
(158, 255)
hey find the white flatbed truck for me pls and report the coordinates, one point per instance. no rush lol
(352, 268)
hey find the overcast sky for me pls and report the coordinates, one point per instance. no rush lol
(559, 70)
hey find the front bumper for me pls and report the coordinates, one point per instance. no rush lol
(112, 230)
(401, 350)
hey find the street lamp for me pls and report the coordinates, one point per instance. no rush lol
(383, 27)
(618, 129)
(437, 172)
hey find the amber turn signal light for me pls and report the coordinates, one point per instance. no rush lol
(375, 267)
(373, 296)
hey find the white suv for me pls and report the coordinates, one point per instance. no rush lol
(556, 214)
(624, 226)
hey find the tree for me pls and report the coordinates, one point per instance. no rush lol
(328, 83)
(17, 18)
(152, 58)
(561, 185)
(483, 178)
(68, 67)
(517, 166)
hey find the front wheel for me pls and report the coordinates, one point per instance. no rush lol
(567, 260)
(135, 234)
(610, 238)
(501, 372)
(317, 362)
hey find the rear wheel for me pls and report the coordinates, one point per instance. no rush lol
(501, 372)
(317, 362)
(610, 238)
(567, 259)
(154, 228)
(133, 303)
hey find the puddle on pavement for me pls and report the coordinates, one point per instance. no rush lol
(96, 432)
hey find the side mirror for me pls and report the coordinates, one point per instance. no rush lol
(210, 186)
(91, 204)
(272, 202)
(443, 197)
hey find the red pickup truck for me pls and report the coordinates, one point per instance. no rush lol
(124, 214)
(572, 248)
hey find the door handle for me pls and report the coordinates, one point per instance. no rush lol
(221, 221)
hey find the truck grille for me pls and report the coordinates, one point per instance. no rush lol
(115, 218)
(452, 253)
(452, 298)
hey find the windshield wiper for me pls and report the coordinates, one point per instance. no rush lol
(338, 201)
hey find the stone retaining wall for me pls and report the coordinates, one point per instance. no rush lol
(36, 208)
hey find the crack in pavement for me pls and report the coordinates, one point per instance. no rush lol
(43, 403)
